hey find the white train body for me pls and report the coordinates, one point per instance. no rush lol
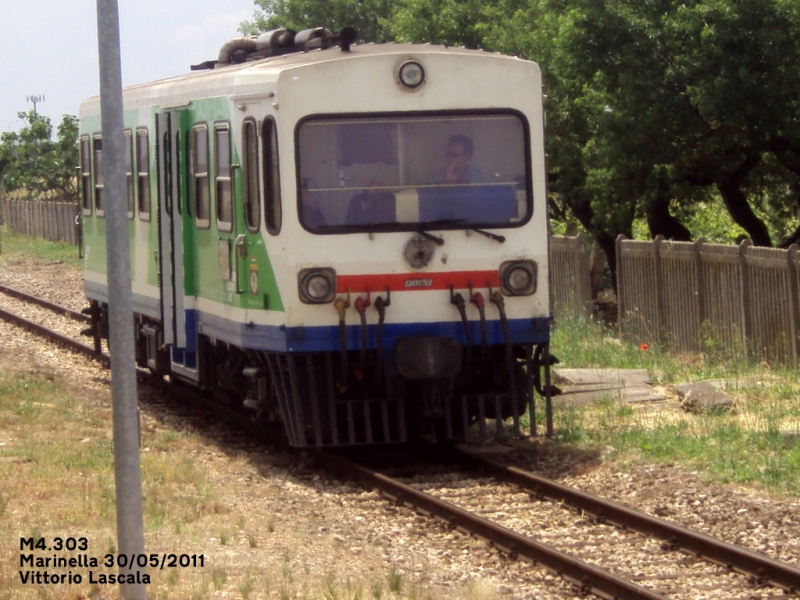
(413, 174)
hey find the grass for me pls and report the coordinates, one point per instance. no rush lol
(752, 444)
(19, 246)
(57, 472)
(57, 478)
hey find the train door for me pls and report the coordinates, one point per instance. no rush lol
(236, 177)
(177, 317)
(247, 205)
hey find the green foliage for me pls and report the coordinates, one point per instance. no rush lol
(30, 161)
(654, 109)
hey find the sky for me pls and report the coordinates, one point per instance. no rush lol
(49, 47)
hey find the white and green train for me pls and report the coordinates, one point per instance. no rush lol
(351, 240)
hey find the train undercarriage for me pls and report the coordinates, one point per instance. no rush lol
(424, 386)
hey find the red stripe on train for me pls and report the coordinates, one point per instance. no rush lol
(460, 280)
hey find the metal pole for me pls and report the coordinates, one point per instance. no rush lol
(130, 531)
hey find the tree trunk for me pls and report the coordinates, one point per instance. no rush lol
(729, 185)
(606, 238)
(742, 214)
(661, 222)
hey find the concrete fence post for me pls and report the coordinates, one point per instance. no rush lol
(745, 290)
(620, 285)
(795, 303)
(660, 325)
(700, 280)
(584, 274)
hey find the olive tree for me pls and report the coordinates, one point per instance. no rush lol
(37, 165)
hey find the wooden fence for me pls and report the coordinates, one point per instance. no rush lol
(688, 295)
(50, 220)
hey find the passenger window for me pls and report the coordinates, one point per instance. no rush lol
(86, 176)
(178, 183)
(252, 206)
(202, 201)
(187, 153)
(222, 177)
(143, 173)
(272, 182)
(97, 146)
(129, 170)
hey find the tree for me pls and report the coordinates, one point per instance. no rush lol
(30, 161)
(698, 93)
(652, 107)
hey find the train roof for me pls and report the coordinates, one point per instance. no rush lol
(269, 68)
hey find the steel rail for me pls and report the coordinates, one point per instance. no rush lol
(54, 336)
(244, 422)
(76, 316)
(762, 568)
(588, 578)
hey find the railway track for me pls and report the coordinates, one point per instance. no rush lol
(39, 328)
(576, 535)
(70, 340)
(601, 547)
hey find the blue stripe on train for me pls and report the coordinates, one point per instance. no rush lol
(326, 338)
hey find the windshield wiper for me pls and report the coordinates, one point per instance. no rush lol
(491, 236)
(440, 241)
(434, 238)
(423, 225)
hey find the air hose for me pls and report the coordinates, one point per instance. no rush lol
(380, 306)
(361, 305)
(458, 300)
(341, 305)
(478, 300)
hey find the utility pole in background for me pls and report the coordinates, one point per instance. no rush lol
(127, 475)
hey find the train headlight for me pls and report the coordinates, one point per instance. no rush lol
(317, 286)
(518, 277)
(411, 74)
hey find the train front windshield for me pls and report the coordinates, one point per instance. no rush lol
(409, 172)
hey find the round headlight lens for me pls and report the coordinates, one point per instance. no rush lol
(317, 286)
(518, 277)
(411, 74)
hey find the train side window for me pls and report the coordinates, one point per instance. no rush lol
(252, 205)
(222, 176)
(97, 148)
(188, 169)
(202, 200)
(272, 182)
(143, 173)
(178, 181)
(129, 170)
(86, 175)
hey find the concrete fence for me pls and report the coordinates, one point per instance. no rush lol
(50, 220)
(570, 283)
(688, 295)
